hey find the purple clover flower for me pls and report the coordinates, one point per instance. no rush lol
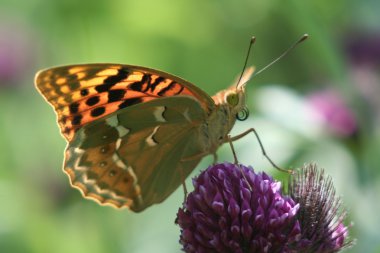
(234, 209)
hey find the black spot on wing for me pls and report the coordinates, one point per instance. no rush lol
(77, 119)
(66, 130)
(104, 87)
(63, 119)
(121, 74)
(139, 85)
(74, 108)
(92, 101)
(156, 82)
(112, 80)
(84, 92)
(98, 111)
(180, 90)
(167, 88)
(115, 95)
(129, 102)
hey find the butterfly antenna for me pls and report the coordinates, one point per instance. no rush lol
(302, 39)
(252, 41)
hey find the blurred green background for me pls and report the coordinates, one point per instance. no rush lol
(321, 103)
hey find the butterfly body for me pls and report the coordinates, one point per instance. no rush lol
(134, 134)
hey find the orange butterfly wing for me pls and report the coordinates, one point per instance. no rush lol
(83, 93)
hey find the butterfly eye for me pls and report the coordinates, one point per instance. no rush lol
(232, 99)
(243, 114)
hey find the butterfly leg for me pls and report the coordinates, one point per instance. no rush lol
(252, 130)
(190, 158)
(183, 185)
(233, 149)
(237, 162)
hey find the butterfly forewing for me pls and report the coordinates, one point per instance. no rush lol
(83, 93)
(136, 163)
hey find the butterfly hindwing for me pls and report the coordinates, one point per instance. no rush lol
(138, 155)
(84, 93)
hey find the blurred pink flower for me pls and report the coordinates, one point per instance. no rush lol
(363, 50)
(334, 112)
(17, 50)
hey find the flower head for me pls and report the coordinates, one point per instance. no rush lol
(320, 214)
(234, 209)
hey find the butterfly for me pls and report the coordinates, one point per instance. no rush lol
(134, 133)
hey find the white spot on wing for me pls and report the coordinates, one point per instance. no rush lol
(159, 113)
(78, 155)
(122, 131)
(118, 161)
(150, 140)
(112, 121)
(186, 114)
(118, 143)
(78, 151)
(135, 184)
(132, 173)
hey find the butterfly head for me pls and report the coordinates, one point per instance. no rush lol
(233, 98)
